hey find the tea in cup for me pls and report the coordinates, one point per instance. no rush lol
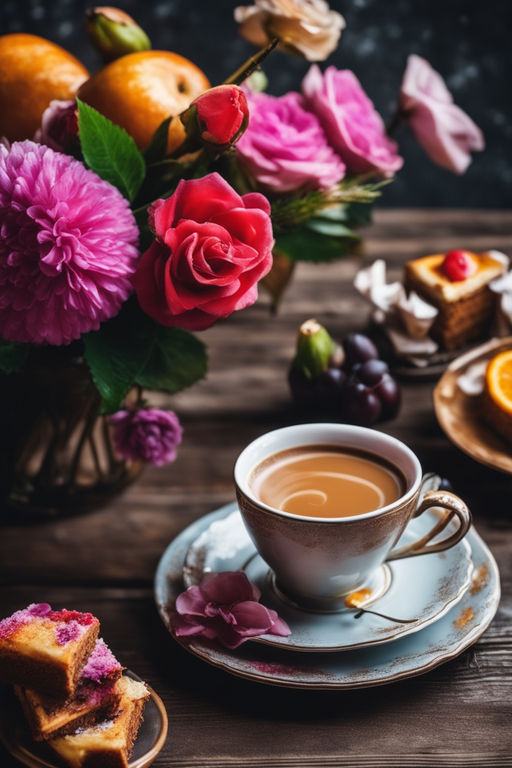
(325, 505)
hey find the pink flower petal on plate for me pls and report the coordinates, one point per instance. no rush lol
(228, 587)
(191, 602)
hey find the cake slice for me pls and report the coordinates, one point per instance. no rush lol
(96, 698)
(46, 650)
(107, 744)
(465, 302)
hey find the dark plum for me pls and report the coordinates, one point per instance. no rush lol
(302, 387)
(360, 404)
(372, 371)
(388, 392)
(358, 349)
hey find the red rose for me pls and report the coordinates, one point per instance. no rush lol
(212, 247)
(222, 114)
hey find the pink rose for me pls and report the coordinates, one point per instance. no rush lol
(352, 125)
(284, 148)
(211, 248)
(445, 132)
(225, 607)
(222, 114)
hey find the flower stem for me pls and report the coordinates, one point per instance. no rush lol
(246, 70)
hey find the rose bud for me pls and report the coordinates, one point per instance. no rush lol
(220, 115)
(59, 127)
(114, 33)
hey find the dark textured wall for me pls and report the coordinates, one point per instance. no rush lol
(468, 41)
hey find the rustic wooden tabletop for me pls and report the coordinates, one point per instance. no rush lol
(460, 714)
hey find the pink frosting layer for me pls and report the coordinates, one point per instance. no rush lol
(69, 625)
(101, 663)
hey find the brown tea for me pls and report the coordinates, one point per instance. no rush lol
(326, 481)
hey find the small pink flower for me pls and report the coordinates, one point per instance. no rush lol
(352, 125)
(284, 148)
(68, 246)
(149, 435)
(446, 133)
(225, 607)
(59, 126)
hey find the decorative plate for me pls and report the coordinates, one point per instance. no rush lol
(16, 737)
(375, 665)
(439, 580)
(458, 413)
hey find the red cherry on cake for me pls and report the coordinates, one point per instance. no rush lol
(458, 265)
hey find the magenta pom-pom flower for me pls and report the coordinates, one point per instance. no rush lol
(68, 246)
(225, 607)
(149, 435)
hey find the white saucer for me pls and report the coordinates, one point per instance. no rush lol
(406, 657)
(422, 588)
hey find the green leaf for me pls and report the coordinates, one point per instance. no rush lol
(175, 360)
(133, 349)
(306, 245)
(12, 355)
(330, 228)
(157, 147)
(358, 214)
(114, 362)
(109, 151)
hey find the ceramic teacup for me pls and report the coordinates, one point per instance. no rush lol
(318, 561)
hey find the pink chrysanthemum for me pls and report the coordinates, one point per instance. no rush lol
(68, 246)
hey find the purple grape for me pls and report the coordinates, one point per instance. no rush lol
(388, 392)
(328, 388)
(360, 404)
(372, 371)
(358, 349)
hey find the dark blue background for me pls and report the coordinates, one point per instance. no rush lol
(468, 41)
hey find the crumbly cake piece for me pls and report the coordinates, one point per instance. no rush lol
(96, 698)
(109, 743)
(466, 307)
(46, 650)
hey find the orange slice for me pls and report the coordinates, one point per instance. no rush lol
(498, 380)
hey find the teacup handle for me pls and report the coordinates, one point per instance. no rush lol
(453, 506)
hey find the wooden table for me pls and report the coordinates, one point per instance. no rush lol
(457, 715)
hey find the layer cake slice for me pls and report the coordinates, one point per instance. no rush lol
(466, 307)
(46, 650)
(107, 744)
(96, 698)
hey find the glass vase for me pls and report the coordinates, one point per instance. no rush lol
(56, 450)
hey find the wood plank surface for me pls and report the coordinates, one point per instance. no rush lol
(457, 715)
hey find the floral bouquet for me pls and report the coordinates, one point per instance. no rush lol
(125, 226)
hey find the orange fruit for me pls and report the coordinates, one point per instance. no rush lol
(139, 90)
(33, 71)
(498, 380)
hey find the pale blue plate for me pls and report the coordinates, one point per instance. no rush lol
(422, 588)
(407, 656)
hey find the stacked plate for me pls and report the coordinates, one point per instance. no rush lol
(448, 600)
